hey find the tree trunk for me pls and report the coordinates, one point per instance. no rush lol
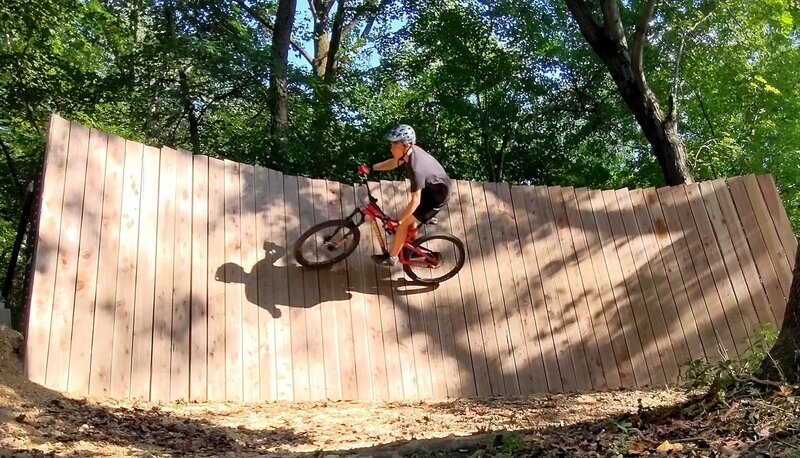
(278, 84)
(660, 130)
(625, 66)
(335, 43)
(784, 358)
(322, 42)
(183, 82)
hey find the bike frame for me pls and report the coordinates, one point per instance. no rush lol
(370, 209)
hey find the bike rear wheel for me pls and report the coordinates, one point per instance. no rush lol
(327, 243)
(434, 258)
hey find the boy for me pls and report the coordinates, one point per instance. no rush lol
(430, 186)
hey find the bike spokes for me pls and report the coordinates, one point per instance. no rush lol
(326, 243)
(434, 258)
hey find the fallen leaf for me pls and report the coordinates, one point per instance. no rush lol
(638, 448)
(668, 446)
(786, 390)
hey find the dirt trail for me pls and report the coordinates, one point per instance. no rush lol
(35, 421)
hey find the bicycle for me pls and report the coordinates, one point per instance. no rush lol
(429, 259)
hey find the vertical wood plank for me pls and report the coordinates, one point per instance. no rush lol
(216, 285)
(86, 283)
(719, 276)
(45, 262)
(341, 308)
(609, 315)
(688, 270)
(495, 292)
(388, 323)
(572, 313)
(267, 311)
(597, 340)
(250, 301)
(126, 272)
(300, 330)
(779, 217)
(312, 374)
(582, 336)
(314, 298)
(646, 308)
(667, 323)
(477, 267)
(355, 285)
(286, 280)
(733, 271)
(66, 272)
(612, 233)
(162, 308)
(743, 252)
(769, 233)
(233, 278)
(537, 328)
(450, 217)
(501, 220)
(472, 338)
(181, 289)
(198, 378)
(328, 289)
(716, 320)
(755, 239)
(540, 215)
(674, 281)
(396, 203)
(103, 334)
(145, 275)
(368, 245)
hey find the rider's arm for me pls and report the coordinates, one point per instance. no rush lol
(412, 205)
(389, 164)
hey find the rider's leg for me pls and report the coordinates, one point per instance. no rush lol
(400, 236)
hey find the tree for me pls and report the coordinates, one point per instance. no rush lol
(278, 83)
(783, 362)
(625, 65)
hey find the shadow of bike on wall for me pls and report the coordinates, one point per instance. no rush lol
(259, 282)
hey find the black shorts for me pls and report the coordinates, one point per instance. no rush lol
(429, 206)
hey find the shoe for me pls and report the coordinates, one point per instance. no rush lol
(384, 259)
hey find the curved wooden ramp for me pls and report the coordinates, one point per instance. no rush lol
(165, 276)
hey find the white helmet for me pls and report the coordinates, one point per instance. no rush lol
(403, 133)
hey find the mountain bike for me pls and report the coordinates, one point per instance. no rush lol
(428, 259)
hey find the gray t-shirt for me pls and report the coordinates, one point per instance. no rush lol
(425, 171)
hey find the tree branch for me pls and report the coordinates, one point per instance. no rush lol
(582, 15)
(361, 13)
(613, 21)
(271, 27)
(676, 82)
(640, 36)
(11, 167)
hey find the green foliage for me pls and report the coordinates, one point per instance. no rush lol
(497, 89)
(731, 376)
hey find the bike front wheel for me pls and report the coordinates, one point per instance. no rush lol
(327, 243)
(434, 258)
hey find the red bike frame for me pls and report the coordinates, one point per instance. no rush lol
(370, 209)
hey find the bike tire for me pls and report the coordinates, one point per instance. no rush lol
(460, 252)
(332, 226)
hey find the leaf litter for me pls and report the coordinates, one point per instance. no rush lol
(36, 421)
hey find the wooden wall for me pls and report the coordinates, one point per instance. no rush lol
(168, 276)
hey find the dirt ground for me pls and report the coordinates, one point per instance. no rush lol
(35, 421)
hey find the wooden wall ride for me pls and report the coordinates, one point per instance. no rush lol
(164, 276)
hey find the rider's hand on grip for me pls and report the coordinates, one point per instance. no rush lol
(363, 170)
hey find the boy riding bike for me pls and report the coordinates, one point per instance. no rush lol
(430, 186)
